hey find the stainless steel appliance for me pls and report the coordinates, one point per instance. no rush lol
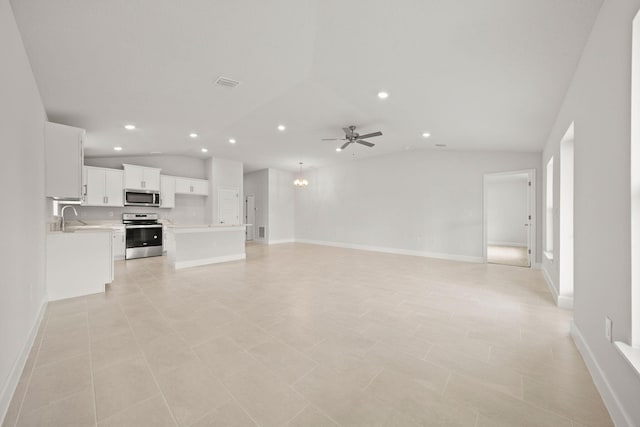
(141, 198)
(143, 235)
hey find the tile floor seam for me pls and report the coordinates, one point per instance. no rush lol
(286, 423)
(135, 405)
(93, 384)
(305, 375)
(373, 379)
(153, 375)
(235, 399)
(33, 368)
(525, 402)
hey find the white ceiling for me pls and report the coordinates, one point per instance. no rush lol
(481, 75)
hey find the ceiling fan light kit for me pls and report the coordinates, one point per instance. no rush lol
(300, 181)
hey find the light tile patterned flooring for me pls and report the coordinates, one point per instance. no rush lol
(303, 335)
(508, 255)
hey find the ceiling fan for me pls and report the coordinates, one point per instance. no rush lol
(351, 136)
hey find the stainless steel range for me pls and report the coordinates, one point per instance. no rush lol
(143, 235)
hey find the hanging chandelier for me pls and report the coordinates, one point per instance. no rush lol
(300, 181)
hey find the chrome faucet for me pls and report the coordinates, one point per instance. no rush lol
(62, 215)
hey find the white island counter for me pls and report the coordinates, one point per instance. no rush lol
(193, 245)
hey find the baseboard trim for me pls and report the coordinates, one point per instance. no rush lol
(278, 242)
(10, 386)
(616, 410)
(206, 261)
(396, 251)
(561, 301)
(511, 244)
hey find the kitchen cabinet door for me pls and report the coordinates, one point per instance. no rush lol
(94, 187)
(167, 191)
(119, 245)
(192, 186)
(113, 190)
(103, 187)
(64, 158)
(151, 179)
(200, 187)
(133, 177)
(183, 185)
(141, 178)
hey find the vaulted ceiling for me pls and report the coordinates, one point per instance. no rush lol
(478, 75)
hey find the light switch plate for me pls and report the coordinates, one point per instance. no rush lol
(608, 325)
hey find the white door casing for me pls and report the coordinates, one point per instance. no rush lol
(250, 216)
(529, 221)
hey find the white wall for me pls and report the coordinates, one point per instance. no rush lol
(189, 167)
(257, 184)
(222, 175)
(424, 202)
(188, 209)
(281, 206)
(598, 102)
(507, 210)
(22, 256)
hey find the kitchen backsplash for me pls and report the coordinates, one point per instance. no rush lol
(188, 210)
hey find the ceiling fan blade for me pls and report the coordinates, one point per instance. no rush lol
(371, 135)
(367, 143)
(331, 139)
(346, 144)
(347, 131)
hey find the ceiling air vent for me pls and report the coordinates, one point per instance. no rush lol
(223, 81)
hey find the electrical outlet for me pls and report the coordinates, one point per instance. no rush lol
(608, 325)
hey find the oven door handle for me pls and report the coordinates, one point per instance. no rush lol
(142, 226)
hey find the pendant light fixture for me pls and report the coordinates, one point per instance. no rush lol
(300, 181)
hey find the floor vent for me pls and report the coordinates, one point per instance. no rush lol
(261, 232)
(223, 81)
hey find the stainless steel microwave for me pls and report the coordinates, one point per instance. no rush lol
(141, 198)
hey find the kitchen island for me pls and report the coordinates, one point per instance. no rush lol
(194, 245)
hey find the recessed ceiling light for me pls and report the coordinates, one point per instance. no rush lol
(156, 152)
(193, 135)
(338, 149)
(117, 148)
(204, 150)
(129, 127)
(426, 135)
(383, 95)
(441, 145)
(282, 128)
(232, 141)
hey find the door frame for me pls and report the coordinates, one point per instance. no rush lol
(246, 217)
(531, 174)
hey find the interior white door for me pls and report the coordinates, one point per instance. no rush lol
(250, 216)
(228, 207)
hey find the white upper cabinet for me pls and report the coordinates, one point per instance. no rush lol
(64, 157)
(103, 187)
(167, 191)
(141, 178)
(196, 187)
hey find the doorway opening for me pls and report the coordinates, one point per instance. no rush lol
(566, 215)
(250, 216)
(509, 226)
